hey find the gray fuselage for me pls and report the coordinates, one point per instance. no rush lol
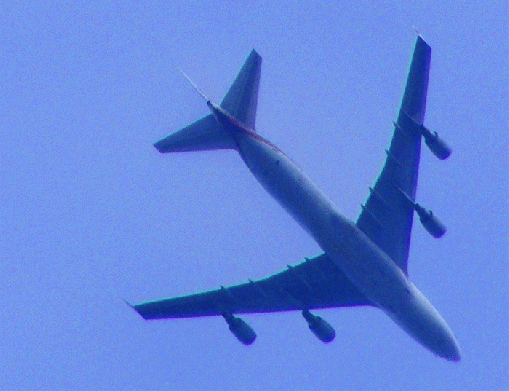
(370, 269)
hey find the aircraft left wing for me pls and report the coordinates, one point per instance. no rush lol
(314, 283)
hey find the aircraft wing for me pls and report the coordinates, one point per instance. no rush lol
(387, 215)
(314, 283)
(242, 97)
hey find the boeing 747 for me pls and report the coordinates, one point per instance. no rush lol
(363, 263)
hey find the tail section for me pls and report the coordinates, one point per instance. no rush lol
(240, 102)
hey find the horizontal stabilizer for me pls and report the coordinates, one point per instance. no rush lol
(203, 135)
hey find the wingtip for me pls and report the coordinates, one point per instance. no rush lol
(159, 146)
(255, 54)
(129, 304)
(133, 306)
(420, 38)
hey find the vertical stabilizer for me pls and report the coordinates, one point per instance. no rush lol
(242, 97)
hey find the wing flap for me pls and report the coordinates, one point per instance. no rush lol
(315, 283)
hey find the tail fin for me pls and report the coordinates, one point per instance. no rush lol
(242, 97)
(240, 102)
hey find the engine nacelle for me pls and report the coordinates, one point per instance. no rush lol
(430, 221)
(436, 145)
(242, 331)
(323, 331)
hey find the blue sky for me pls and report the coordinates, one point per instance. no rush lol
(93, 214)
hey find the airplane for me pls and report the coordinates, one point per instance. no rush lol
(363, 263)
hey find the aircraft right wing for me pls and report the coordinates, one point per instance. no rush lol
(314, 283)
(387, 216)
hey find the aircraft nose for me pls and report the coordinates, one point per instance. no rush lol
(450, 349)
(454, 353)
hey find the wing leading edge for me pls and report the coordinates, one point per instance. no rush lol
(314, 283)
(387, 216)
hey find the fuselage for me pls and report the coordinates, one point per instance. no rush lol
(370, 269)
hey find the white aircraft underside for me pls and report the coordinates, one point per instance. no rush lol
(364, 263)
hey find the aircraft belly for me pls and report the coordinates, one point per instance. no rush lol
(361, 260)
(287, 184)
(370, 269)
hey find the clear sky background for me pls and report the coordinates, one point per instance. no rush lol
(91, 213)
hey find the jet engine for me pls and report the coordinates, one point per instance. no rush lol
(436, 145)
(430, 221)
(323, 331)
(242, 331)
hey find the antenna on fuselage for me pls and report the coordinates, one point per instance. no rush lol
(194, 85)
